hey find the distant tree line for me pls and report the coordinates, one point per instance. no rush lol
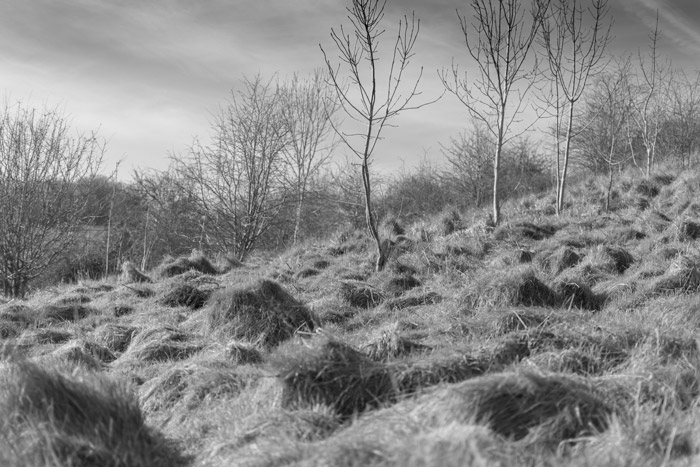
(269, 175)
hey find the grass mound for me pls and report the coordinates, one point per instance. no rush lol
(66, 312)
(189, 385)
(161, 344)
(576, 293)
(524, 230)
(130, 274)
(395, 285)
(359, 295)
(560, 259)
(546, 408)
(520, 320)
(185, 295)
(21, 315)
(115, 337)
(327, 371)
(682, 275)
(171, 267)
(515, 287)
(83, 419)
(428, 298)
(575, 361)
(391, 344)
(243, 353)
(262, 312)
(412, 377)
(85, 353)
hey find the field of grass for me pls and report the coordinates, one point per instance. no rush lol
(548, 340)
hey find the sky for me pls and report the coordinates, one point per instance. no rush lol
(150, 74)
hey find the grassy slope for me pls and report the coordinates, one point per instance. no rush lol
(547, 341)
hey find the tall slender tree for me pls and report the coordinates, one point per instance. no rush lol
(574, 40)
(499, 40)
(366, 101)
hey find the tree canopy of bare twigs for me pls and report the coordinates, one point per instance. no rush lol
(574, 40)
(499, 40)
(308, 107)
(237, 177)
(368, 101)
(608, 106)
(44, 171)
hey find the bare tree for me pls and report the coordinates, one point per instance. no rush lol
(574, 40)
(237, 177)
(307, 107)
(44, 171)
(680, 132)
(471, 163)
(649, 116)
(363, 101)
(499, 40)
(608, 108)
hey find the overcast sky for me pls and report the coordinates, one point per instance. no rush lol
(148, 74)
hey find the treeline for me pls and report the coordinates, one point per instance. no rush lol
(268, 175)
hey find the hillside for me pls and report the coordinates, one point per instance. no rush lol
(545, 341)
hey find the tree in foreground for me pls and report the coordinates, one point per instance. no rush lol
(499, 39)
(366, 102)
(44, 171)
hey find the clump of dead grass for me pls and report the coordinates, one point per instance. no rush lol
(185, 295)
(188, 385)
(413, 376)
(261, 312)
(329, 372)
(524, 230)
(243, 353)
(130, 274)
(76, 419)
(427, 298)
(115, 337)
(161, 344)
(515, 287)
(391, 344)
(360, 295)
(56, 313)
(171, 267)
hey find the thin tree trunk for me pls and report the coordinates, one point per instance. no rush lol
(297, 221)
(567, 149)
(497, 165)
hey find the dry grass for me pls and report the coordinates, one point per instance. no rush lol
(75, 419)
(330, 372)
(262, 312)
(550, 341)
